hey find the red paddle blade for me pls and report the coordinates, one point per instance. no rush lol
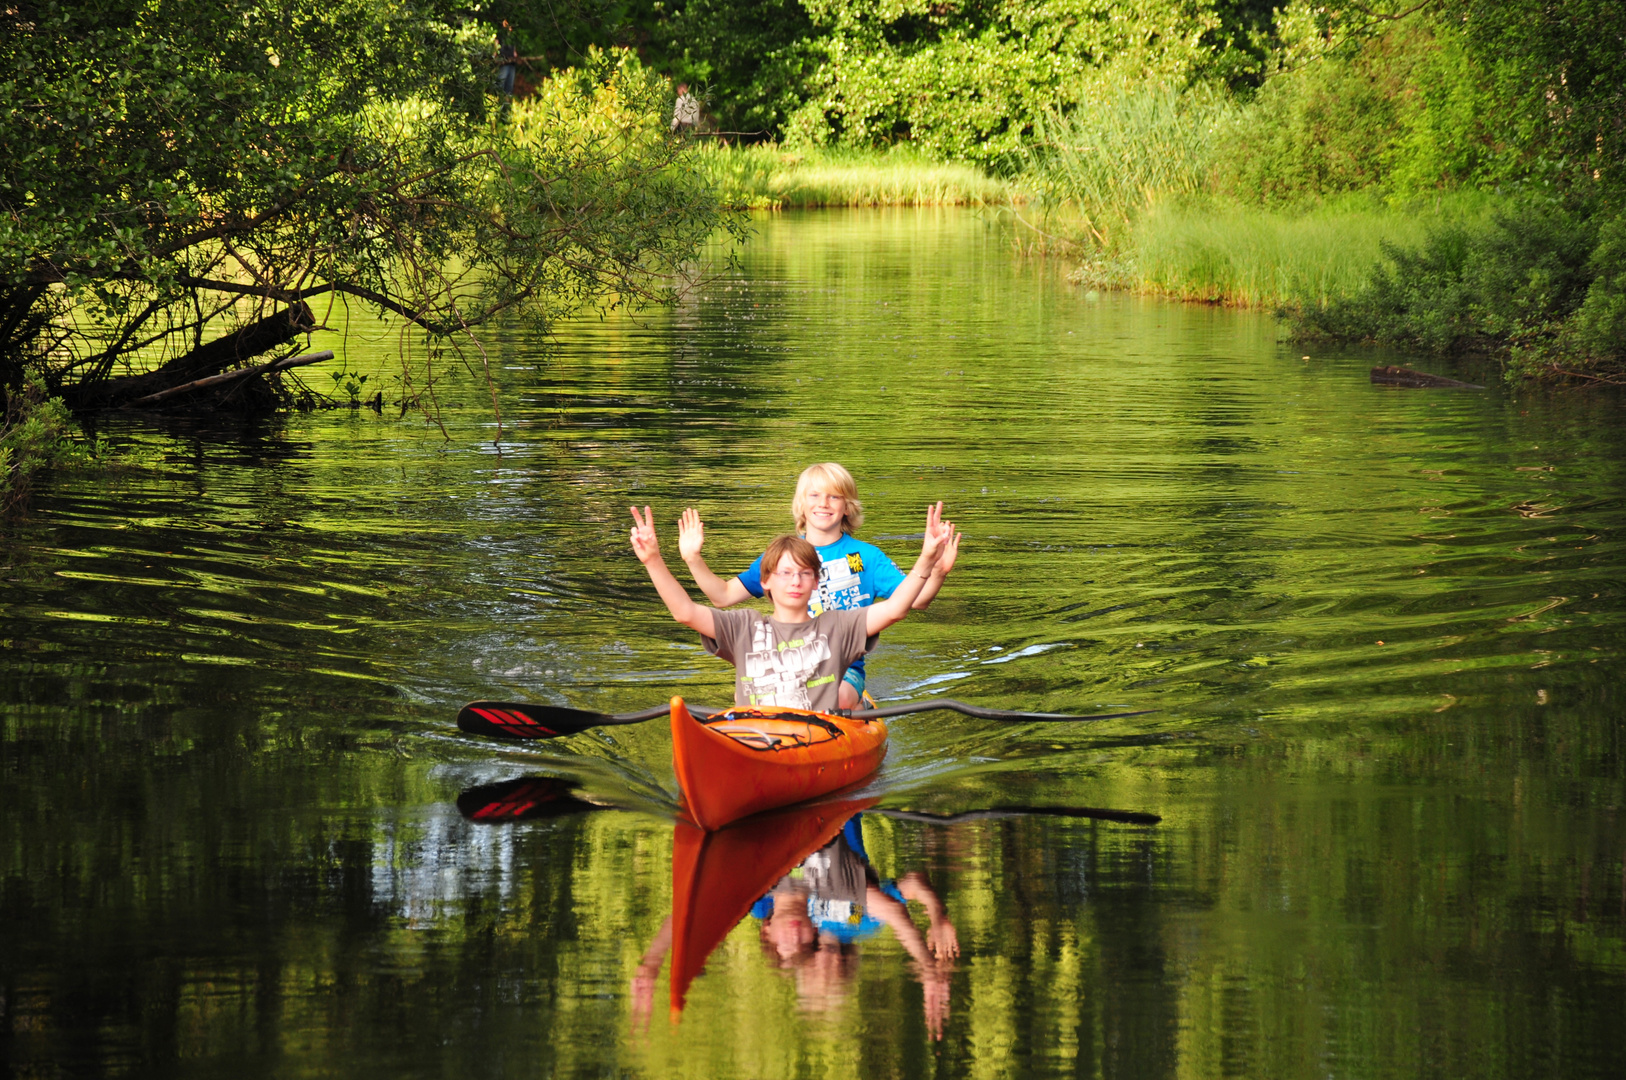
(527, 798)
(508, 720)
(520, 720)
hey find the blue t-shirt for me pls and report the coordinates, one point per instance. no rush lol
(845, 920)
(852, 574)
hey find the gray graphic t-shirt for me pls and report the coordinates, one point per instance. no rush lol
(796, 665)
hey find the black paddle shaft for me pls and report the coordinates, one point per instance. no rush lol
(981, 713)
(521, 720)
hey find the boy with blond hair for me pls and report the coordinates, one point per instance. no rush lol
(793, 657)
(852, 574)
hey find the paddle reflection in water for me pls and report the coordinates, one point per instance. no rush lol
(802, 874)
(525, 798)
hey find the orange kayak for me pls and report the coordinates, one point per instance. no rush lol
(747, 760)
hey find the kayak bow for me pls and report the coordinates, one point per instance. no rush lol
(746, 760)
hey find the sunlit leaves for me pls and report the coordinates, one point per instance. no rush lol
(178, 166)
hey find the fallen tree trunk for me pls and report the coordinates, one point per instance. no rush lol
(222, 379)
(1393, 375)
(212, 358)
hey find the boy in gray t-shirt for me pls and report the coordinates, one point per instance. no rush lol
(791, 658)
(798, 665)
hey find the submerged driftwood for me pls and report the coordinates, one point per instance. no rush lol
(226, 377)
(1399, 376)
(242, 344)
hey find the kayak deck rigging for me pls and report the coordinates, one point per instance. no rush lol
(760, 730)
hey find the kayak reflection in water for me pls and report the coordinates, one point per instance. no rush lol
(811, 923)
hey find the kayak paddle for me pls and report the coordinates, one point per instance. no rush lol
(526, 798)
(1128, 817)
(519, 720)
(979, 712)
(530, 798)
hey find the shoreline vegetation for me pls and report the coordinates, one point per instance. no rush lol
(1213, 251)
(1446, 177)
(769, 176)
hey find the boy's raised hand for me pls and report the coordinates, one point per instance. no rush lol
(939, 534)
(948, 553)
(644, 543)
(691, 535)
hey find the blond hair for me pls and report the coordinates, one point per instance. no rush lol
(836, 480)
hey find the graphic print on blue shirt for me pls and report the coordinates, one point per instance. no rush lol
(852, 574)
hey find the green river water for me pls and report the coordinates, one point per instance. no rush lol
(1382, 631)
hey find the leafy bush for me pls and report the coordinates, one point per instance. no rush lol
(1540, 284)
(970, 82)
(35, 434)
(1599, 328)
(1399, 114)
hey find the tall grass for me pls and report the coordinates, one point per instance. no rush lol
(1133, 178)
(1122, 153)
(768, 176)
(1229, 253)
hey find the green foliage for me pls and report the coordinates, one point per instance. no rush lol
(351, 383)
(1120, 154)
(177, 167)
(1399, 114)
(969, 82)
(1558, 73)
(767, 176)
(35, 434)
(951, 76)
(751, 62)
(1539, 284)
(1220, 251)
(1598, 331)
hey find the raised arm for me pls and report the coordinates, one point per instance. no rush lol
(648, 549)
(938, 534)
(939, 574)
(691, 537)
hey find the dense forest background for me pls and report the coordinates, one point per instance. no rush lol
(1403, 96)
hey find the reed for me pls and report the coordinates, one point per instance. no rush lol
(1118, 155)
(1224, 252)
(768, 176)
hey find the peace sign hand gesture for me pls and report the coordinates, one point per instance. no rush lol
(644, 543)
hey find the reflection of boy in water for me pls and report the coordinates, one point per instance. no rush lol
(813, 919)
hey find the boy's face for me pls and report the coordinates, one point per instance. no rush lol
(791, 583)
(825, 509)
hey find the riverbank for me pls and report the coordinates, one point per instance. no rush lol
(1443, 271)
(1208, 250)
(767, 176)
(1250, 256)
